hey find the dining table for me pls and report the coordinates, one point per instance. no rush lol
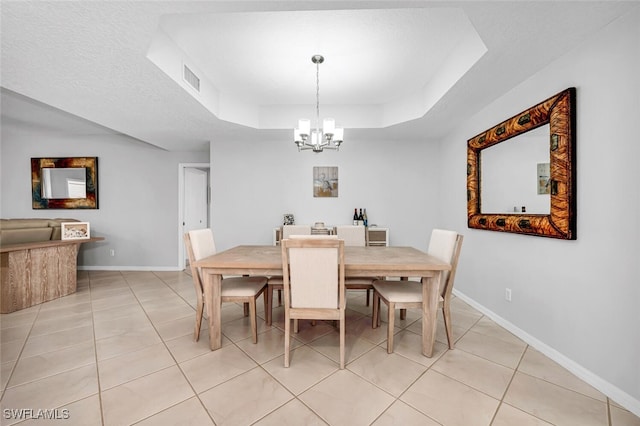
(358, 262)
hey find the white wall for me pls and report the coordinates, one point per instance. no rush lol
(137, 193)
(581, 298)
(254, 185)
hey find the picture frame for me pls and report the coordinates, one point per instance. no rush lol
(75, 230)
(325, 182)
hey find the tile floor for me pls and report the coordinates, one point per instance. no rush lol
(120, 351)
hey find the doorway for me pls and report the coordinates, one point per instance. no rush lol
(193, 201)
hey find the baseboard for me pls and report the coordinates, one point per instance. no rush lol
(130, 268)
(613, 392)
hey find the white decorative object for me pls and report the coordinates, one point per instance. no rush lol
(75, 230)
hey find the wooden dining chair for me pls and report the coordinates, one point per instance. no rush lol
(445, 245)
(313, 273)
(354, 235)
(275, 282)
(245, 290)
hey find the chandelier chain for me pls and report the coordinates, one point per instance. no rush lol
(317, 96)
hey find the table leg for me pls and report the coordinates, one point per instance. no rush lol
(430, 287)
(213, 303)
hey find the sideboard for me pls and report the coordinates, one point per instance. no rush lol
(376, 236)
(33, 273)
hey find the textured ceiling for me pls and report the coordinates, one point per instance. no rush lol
(90, 59)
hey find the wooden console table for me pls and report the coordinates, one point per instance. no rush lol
(34, 273)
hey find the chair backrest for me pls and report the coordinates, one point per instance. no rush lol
(446, 245)
(199, 244)
(289, 230)
(352, 235)
(313, 272)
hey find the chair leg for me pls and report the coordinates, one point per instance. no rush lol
(368, 295)
(295, 326)
(268, 304)
(254, 320)
(199, 312)
(390, 326)
(246, 309)
(403, 314)
(279, 297)
(342, 343)
(446, 313)
(287, 340)
(376, 310)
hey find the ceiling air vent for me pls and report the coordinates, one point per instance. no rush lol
(190, 77)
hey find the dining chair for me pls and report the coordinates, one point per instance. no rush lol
(275, 282)
(313, 273)
(245, 290)
(406, 294)
(354, 235)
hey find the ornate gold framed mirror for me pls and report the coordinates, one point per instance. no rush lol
(64, 183)
(560, 221)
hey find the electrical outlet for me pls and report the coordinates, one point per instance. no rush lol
(112, 252)
(507, 294)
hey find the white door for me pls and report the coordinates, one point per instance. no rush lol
(195, 199)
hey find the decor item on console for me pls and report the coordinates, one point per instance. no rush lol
(330, 136)
(288, 219)
(559, 112)
(76, 230)
(64, 183)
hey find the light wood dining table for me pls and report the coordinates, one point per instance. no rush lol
(359, 261)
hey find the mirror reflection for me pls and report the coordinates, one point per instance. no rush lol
(515, 174)
(64, 183)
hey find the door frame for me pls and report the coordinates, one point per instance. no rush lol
(181, 168)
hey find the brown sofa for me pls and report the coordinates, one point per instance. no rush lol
(20, 231)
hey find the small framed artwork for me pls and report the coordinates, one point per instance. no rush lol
(325, 181)
(75, 230)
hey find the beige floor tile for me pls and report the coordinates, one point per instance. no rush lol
(29, 369)
(6, 368)
(306, 368)
(10, 351)
(490, 328)
(184, 347)
(181, 310)
(538, 365)
(346, 399)
(361, 329)
(15, 334)
(180, 327)
(128, 342)
(307, 332)
(117, 311)
(85, 412)
(48, 312)
(187, 413)
(62, 323)
(492, 348)
(329, 345)
(240, 328)
(245, 398)
(114, 301)
(479, 373)
(553, 403)
(509, 416)
(391, 372)
(63, 339)
(215, 367)
(133, 323)
(401, 414)
(132, 365)
(293, 413)
(441, 335)
(270, 345)
(140, 398)
(622, 417)
(450, 402)
(23, 317)
(69, 386)
(409, 345)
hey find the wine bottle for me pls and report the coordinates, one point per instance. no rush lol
(355, 216)
(364, 217)
(360, 218)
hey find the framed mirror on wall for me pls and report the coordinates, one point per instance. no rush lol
(527, 160)
(64, 183)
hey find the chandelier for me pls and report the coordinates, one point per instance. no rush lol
(329, 137)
